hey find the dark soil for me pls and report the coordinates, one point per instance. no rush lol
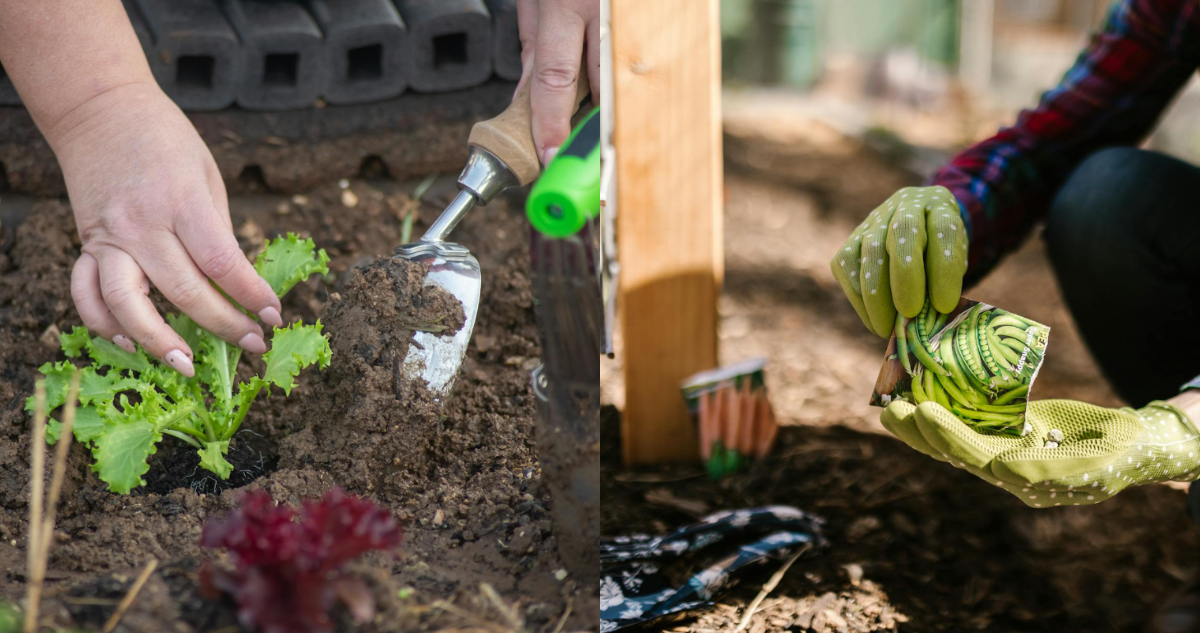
(379, 306)
(251, 456)
(462, 476)
(915, 545)
(923, 543)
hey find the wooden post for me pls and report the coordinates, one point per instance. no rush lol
(667, 133)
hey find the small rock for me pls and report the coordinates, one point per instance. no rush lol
(343, 183)
(438, 518)
(835, 620)
(863, 526)
(283, 209)
(540, 611)
(854, 572)
(522, 542)
(300, 200)
(251, 232)
(1055, 436)
(903, 524)
(50, 337)
(530, 364)
(483, 343)
(560, 575)
(1050, 444)
(349, 198)
(815, 616)
(514, 361)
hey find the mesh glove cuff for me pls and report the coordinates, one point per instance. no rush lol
(1099, 451)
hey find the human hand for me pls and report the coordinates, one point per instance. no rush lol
(1098, 453)
(912, 242)
(151, 207)
(554, 34)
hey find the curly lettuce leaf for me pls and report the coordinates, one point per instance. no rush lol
(293, 348)
(282, 562)
(217, 367)
(186, 328)
(129, 401)
(216, 360)
(289, 260)
(87, 426)
(102, 352)
(75, 341)
(121, 453)
(93, 387)
(212, 458)
(55, 377)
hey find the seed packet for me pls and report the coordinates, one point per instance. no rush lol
(734, 418)
(978, 361)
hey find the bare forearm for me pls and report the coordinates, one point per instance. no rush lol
(1188, 402)
(63, 54)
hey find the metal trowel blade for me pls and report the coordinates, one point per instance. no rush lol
(433, 357)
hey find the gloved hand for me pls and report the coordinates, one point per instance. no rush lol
(913, 241)
(1099, 451)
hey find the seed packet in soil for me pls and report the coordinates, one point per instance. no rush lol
(978, 361)
(733, 416)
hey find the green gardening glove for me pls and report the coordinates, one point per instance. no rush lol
(1073, 454)
(913, 241)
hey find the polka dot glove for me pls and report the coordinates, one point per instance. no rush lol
(913, 241)
(1075, 453)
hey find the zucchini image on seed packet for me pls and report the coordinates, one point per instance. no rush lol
(978, 361)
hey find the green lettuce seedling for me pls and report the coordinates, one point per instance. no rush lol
(128, 402)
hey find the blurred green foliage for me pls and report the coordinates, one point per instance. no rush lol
(783, 42)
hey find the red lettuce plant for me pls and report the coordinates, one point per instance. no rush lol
(287, 574)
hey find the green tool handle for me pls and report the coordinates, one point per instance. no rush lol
(568, 192)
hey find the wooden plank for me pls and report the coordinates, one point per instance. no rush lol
(667, 133)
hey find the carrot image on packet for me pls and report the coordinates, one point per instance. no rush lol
(733, 416)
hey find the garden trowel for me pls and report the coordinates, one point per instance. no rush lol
(502, 155)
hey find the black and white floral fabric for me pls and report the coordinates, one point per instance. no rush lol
(634, 591)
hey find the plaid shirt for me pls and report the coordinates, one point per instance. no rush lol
(1113, 95)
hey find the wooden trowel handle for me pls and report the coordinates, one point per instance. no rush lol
(509, 136)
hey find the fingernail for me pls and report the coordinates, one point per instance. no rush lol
(124, 343)
(550, 154)
(180, 363)
(252, 343)
(271, 317)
